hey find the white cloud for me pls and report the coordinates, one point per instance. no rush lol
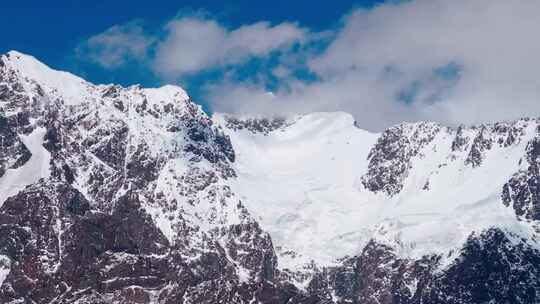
(118, 44)
(379, 53)
(195, 44)
(189, 44)
(457, 61)
(371, 101)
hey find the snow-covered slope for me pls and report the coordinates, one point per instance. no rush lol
(58, 83)
(37, 167)
(306, 182)
(300, 181)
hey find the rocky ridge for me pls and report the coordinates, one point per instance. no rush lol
(138, 205)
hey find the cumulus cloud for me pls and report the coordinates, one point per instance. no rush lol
(188, 45)
(450, 61)
(196, 44)
(117, 45)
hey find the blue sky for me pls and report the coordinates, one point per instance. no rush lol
(51, 30)
(384, 62)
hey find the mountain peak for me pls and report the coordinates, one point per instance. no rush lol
(70, 87)
(31, 67)
(30, 70)
(19, 55)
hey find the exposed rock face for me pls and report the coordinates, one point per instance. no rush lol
(488, 269)
(255, 125)
(492, 267)
(390, 158)
(523, 190)
(140, 207)
(14, 153)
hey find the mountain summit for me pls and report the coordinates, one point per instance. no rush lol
(111, 194)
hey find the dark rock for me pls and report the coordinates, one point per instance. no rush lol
(109, 143)
(68, 173)
(256, 125)
(53, 138)
(141, 168)
(390, 158)
(13, 152)
(76, 203)
(491, 269)
(481, 143)
(460, 141)
(119, 105)
(522, 191)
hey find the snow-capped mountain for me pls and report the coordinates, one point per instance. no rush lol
(323, 188)
(131, 195)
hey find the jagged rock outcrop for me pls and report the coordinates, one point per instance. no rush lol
(390, 158)
(522, 191)
(132, 195)
(256, 125)
(13, 153)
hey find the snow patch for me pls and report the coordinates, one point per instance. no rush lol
(5, 268)
(165, 93)
(299, 182)
(37, 167)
